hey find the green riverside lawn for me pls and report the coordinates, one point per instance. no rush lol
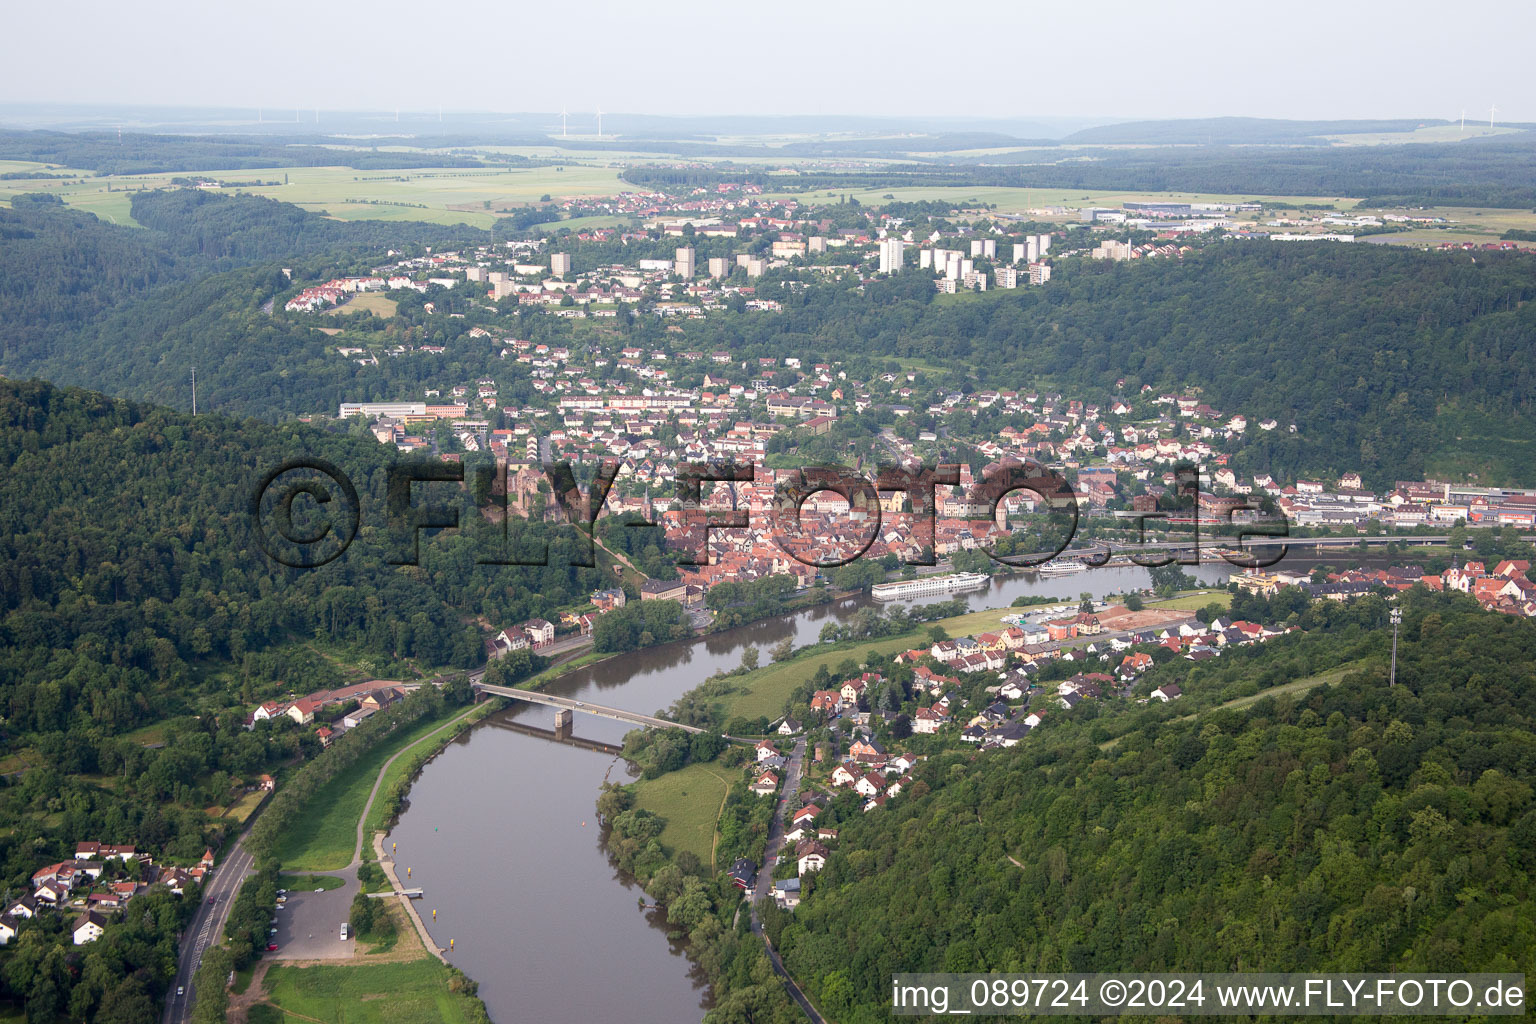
(690, 799)
(409, 992)
(326, 838)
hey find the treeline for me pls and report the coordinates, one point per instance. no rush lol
(1496, 171)
(131, 311)
(138, 153)
(254, 229)
(289, 805)
(702, 904)
(1355, 826)
(639, 624)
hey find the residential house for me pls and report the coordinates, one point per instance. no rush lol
(866, 750)
(929, 720)
(786, 893)
(89, 927)
(829, 702)
(743, 873)
(870, 785)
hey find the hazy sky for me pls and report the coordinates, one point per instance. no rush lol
(984, 58)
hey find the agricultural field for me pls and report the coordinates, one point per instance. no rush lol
(1019, 200)
(1429, 133)
(438, 195)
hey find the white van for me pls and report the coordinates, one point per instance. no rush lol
(343, 931)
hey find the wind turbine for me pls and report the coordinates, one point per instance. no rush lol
(1463, 120)
(1491, 111)
(599, 122)
(562, 120)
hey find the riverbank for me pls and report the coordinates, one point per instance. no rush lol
(400, 981)
(510, 788)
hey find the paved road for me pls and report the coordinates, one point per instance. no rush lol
(207, 928)
(764, 889)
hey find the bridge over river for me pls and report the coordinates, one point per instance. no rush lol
(568, 705)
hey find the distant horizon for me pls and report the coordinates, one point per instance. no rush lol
(161, 118)
(994, 60)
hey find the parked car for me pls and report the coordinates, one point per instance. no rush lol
(181, 990)
(343, 931)
(271, 947)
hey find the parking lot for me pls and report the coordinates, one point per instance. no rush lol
(309, 924)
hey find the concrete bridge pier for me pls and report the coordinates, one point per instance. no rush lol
(564, 719)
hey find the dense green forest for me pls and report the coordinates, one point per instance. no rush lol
(1355, 827)
(1390, 362)
(252, 229)
(133, 593)
(130, 310)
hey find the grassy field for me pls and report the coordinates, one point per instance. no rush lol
(1194, 602)
(327, 839)
(409, 992)
(690, 799)
(1429, 133)
(475, 195)
(438, 195)
(245, 806)
(1327, 678)
(367, 302)
(1018, 200)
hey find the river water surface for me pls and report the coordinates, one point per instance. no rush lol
(502, 834)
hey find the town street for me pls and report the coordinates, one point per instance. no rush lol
(764, 888)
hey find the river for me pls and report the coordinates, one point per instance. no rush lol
(501, 832)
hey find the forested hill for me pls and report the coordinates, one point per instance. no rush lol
(86, 302)
(251, 229)
(136, 153)
(128, 564)
(126, 556)
(1352, 828)
(1391, 362)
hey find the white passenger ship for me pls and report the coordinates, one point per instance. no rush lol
(928, 586)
